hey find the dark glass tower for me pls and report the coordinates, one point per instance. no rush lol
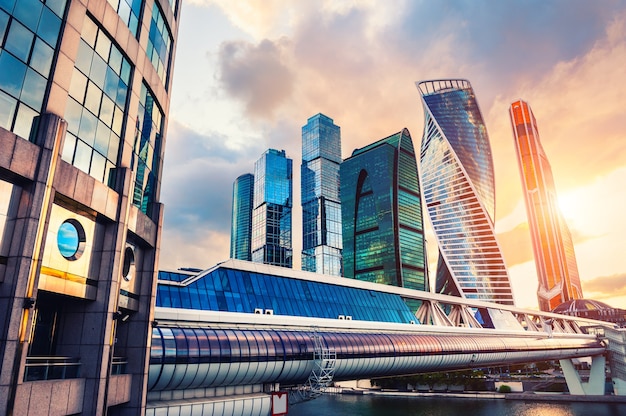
(383, 234)
(555, 259)
(241, 221)
(321, 209)
(459, 190)
(84, 102)
(271, 215)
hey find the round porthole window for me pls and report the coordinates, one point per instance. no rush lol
(71, 239)
(128, 269)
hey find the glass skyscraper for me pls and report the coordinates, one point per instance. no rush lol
(383, 233)
(552, 242)
(271, 215)
(459, 190)
(321, 209)
(241, 221)
(84, 102)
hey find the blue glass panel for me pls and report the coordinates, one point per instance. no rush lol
(125, 75)
(7, 5)
(73, 113)
(115, 60)
(41, 58)
(124, 11)
(34, 89)
(57, 6)
(28, 12)
(7, 110)
(49, 27)
(4, 23)
(122, 90)
(98, 71)
(133, 23)
(19, 41)
(12, 73)
(88, 125)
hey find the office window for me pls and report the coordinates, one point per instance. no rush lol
(147, 151)
(159, 44)
(129, 11)
(29, 32)
(96, 108)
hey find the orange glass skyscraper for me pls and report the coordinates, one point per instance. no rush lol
(552, 242)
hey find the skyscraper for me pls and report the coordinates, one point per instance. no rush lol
(241, 221)
(459, 190)
(84, 99)
(555, 259)
(321, 209)
(271, 215)
(383, 234)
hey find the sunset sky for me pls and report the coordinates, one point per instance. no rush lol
(248, 74)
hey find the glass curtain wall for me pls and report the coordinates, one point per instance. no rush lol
(321, 208)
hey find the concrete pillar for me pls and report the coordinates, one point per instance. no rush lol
(595, 385)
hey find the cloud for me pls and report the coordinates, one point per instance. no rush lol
(256, 74)
(199, 172)
(207, 248)
(610, 289)
(614, 285)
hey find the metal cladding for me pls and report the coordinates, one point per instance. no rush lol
(211, 356)
(555, 258)
(459, 190)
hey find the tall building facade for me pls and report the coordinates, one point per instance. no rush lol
(383, 233)
(459, 190)
(321, 208)
(555, 259)
(241, 221)
(271, 214)
(84, 98)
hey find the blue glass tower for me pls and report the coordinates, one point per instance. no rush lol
(241, 221)
(459, 190)
(271, 215)
(321, 208)
(383, 234)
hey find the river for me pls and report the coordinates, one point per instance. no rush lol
(367, 405)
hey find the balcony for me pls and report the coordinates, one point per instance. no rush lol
(51, 368)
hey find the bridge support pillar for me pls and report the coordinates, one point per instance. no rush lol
(619, 386)
(595, 385)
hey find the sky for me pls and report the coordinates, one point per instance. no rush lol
(249, 73)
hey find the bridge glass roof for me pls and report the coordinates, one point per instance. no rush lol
(231, 290)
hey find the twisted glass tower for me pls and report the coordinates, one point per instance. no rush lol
(383, 234)
(321, 209)
(271, 215)
(241, 221)
(459, 190)
(555, 259)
